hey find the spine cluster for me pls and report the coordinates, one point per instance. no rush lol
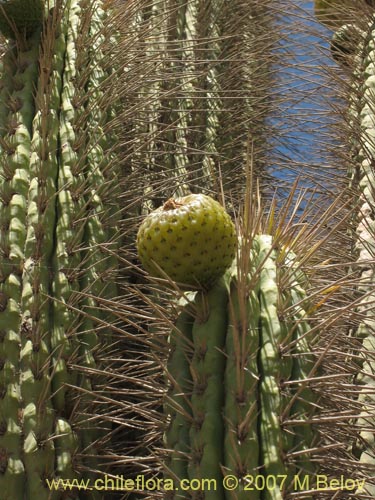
(55, 259)
(363, 113)
(239, 399)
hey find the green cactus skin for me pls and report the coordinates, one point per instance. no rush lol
(199, 108)
(214, 101)
(236, 417)
(177, 404)
(69, 229)
(207, 399)
(14, 188)
(98, 265)
(7, 71)
(66, 260)
(48, 236)
(298, 404)
(21, 17)
(277, 435)
(241, 442)
(186, 33)
(270, 339)
(365, 69)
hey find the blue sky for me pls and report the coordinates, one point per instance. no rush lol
(303, 114)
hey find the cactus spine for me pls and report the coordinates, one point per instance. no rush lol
(198, 110)
(203, 125)
(20, 18)
(53, 258)
(239, 368)
(228, 407)
(16, 289)
(362, 112)
(276, 380)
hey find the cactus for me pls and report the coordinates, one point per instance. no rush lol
(277, 404)
(225, 405)
(361, 111)
(106, 110)
(345, 42)
(334, 13)
(21, 17)
(194, 129)
(196, 111)
(53, 263)
(199, 108)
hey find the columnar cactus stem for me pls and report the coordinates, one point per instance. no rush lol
(186, 34)
(365, 70)
(298, 405)
(214, 101)
(7, 71)
(48, 236)
(150, 94)
(231, 410)
(207, 399)
(241, 445)
(100, 235)
(270, 340)
(196, 116)
(16, 286)
(178, 406)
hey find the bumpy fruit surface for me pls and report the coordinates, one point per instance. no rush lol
(24, 16)
(192, 239)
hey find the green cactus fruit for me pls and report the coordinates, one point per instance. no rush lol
(191, 239)
(20, 16)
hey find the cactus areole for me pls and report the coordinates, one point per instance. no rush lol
(226, 411)
(192, 240)
(22, 17)
(54, 223)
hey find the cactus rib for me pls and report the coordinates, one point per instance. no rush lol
(177, 405)
(237, 413)
(44, 228)
(241, 408)
(269, 359)
(207, 399)
(17, 371)
(365, 446)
